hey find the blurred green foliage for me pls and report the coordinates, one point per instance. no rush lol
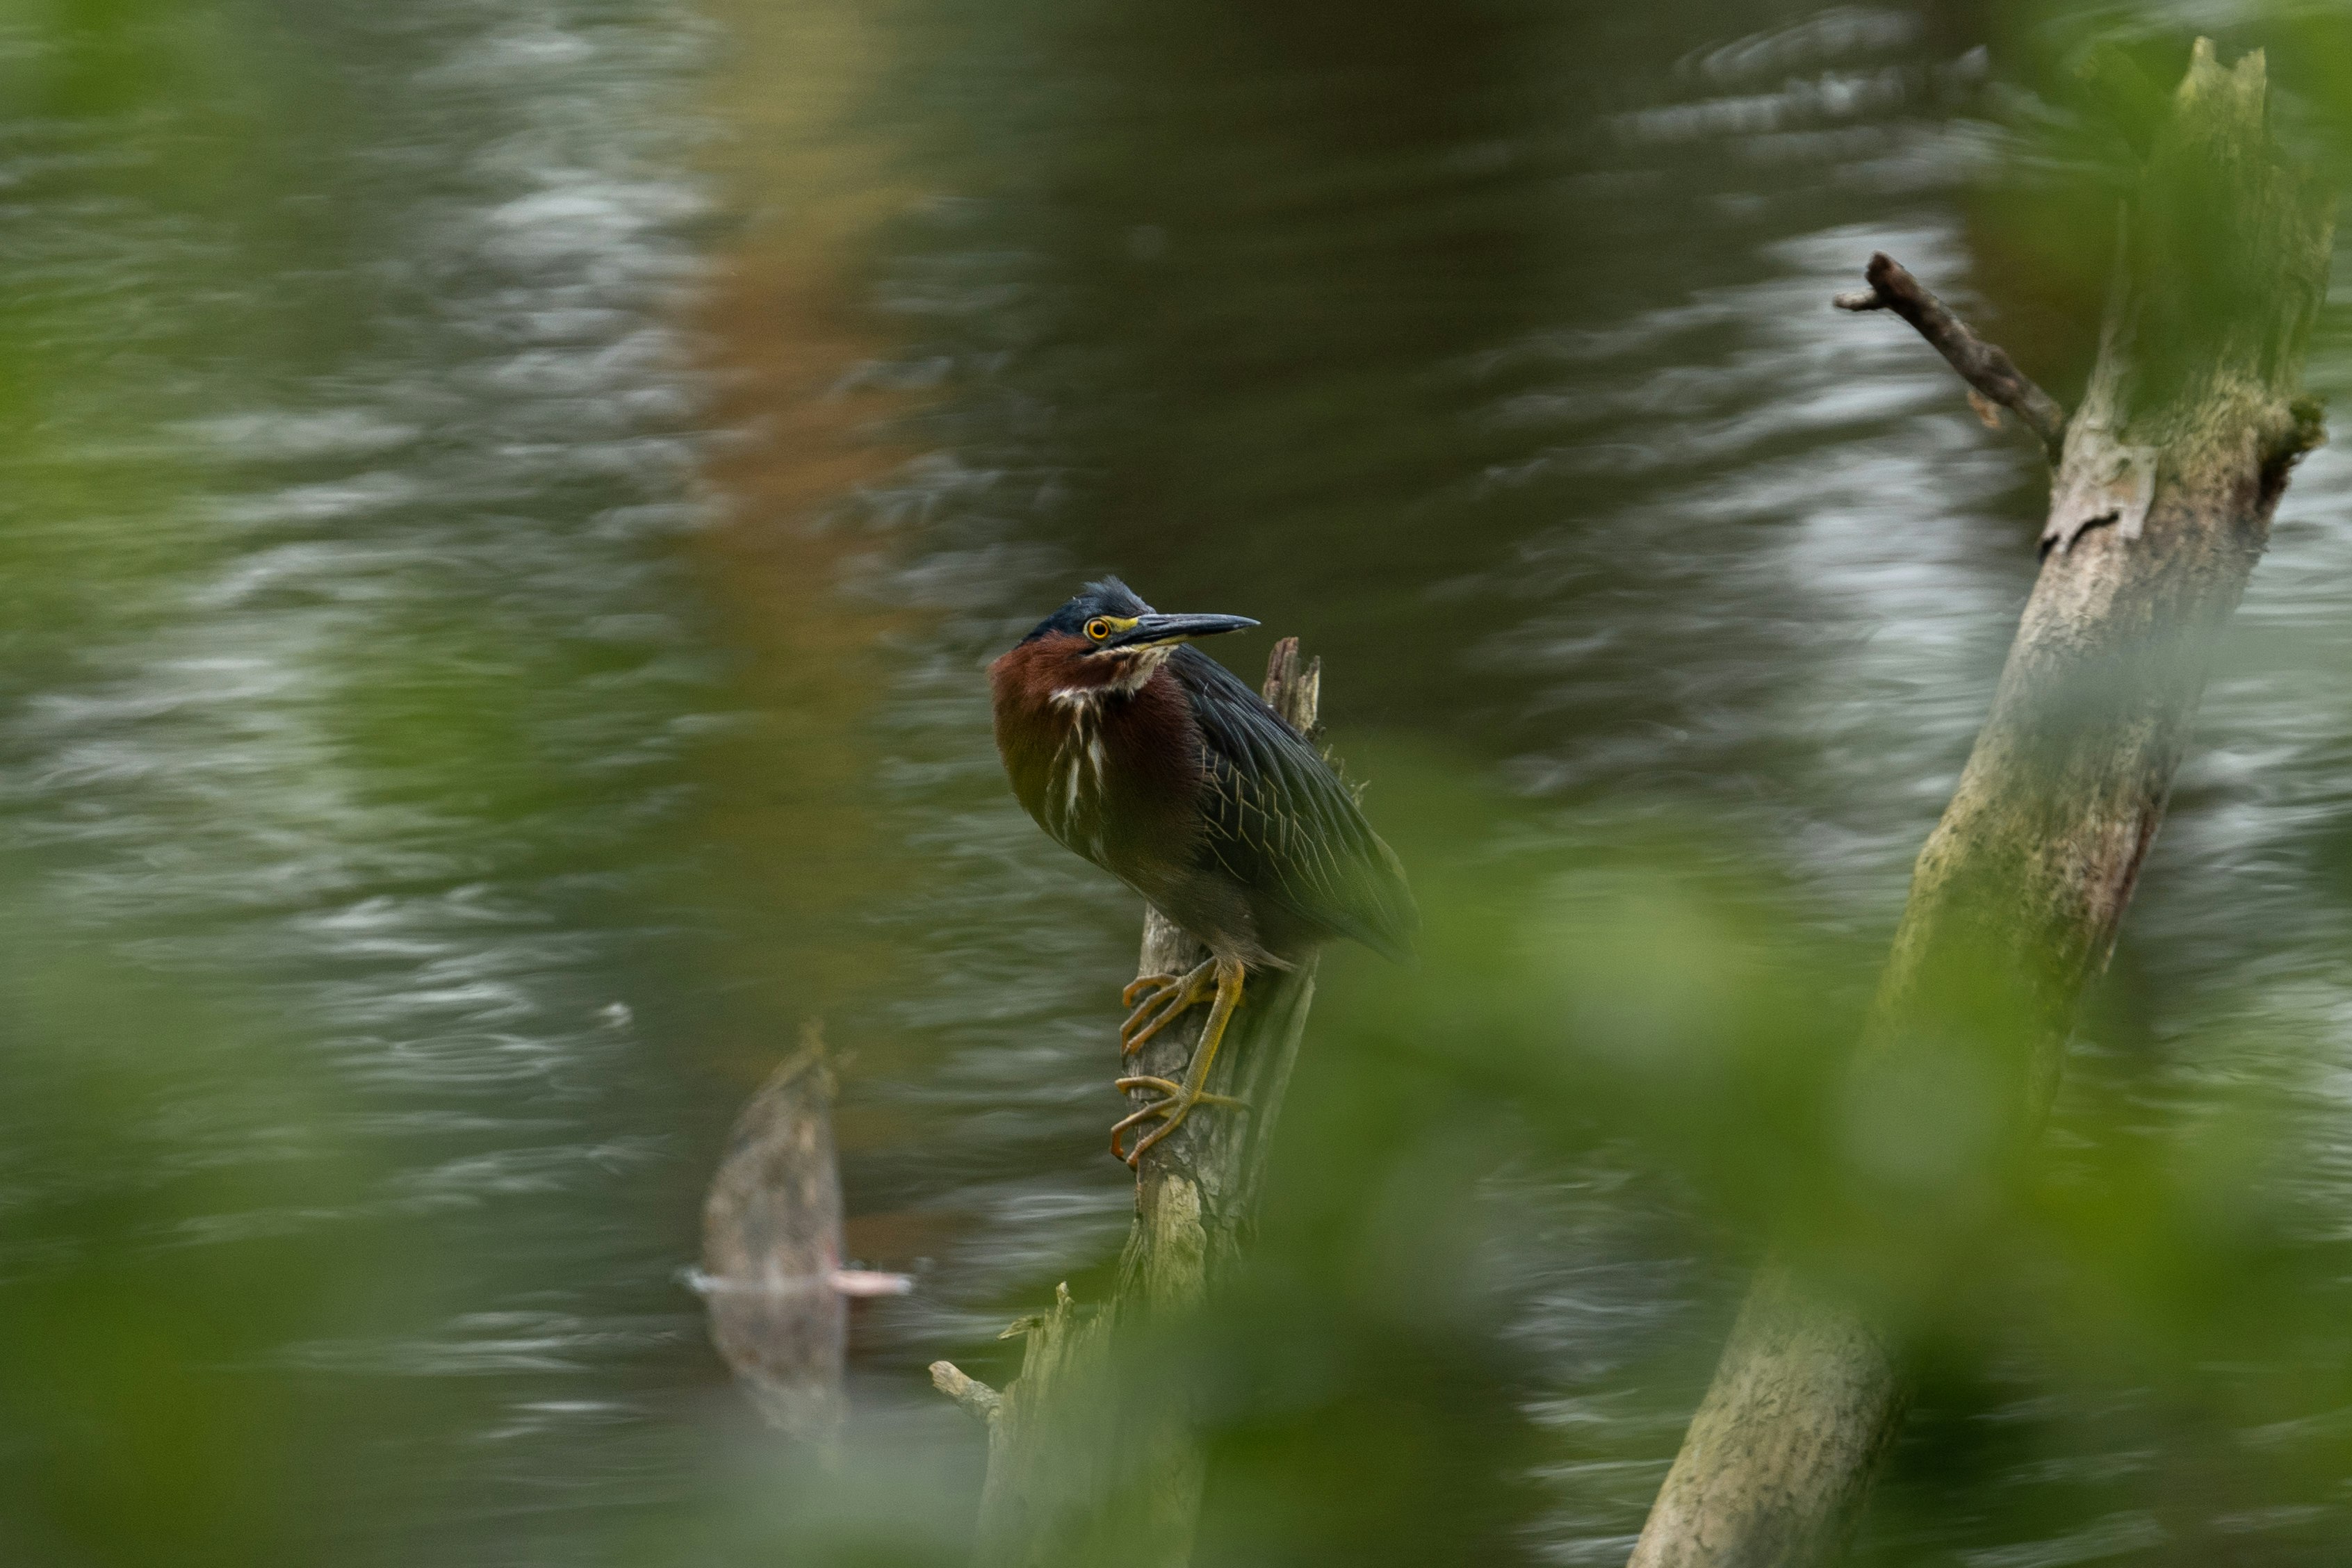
(148, 1298)
(2148, 1319)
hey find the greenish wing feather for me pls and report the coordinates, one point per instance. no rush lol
(1281, 823)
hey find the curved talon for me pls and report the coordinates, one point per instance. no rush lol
(1120, 1128)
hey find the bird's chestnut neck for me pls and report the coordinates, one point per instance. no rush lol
(1062, 668)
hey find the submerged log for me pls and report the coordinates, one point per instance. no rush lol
(2161, 504)
(1091, 1460)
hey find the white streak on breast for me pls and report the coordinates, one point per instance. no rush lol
(1079, 747)
(1080, 772)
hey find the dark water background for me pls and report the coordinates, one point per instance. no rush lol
(506, 505)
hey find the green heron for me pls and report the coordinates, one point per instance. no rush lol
(1147, 757)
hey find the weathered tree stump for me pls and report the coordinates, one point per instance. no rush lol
(2165, 481)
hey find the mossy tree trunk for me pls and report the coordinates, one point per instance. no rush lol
(2160, 506)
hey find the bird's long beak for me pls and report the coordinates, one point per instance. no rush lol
(1158, 631)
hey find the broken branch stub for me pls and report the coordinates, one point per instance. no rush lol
(2192, 423)
(1989, 371)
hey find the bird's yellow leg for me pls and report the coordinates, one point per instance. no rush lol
(1182, 1097)
(1164, 998)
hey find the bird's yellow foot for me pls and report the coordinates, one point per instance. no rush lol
(1159, 1000)
(1142, 984)
(1175, 1108)
(1180, 1098)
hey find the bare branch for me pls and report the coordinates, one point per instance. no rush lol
(978, 1399)
(1982, 365)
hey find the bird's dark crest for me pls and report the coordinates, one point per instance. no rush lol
(1108, 597)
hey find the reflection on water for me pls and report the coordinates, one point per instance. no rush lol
(493, 615)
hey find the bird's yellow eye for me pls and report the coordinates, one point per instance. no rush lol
(1099, 629)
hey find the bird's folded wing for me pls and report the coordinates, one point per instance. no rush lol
(1281, 823)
